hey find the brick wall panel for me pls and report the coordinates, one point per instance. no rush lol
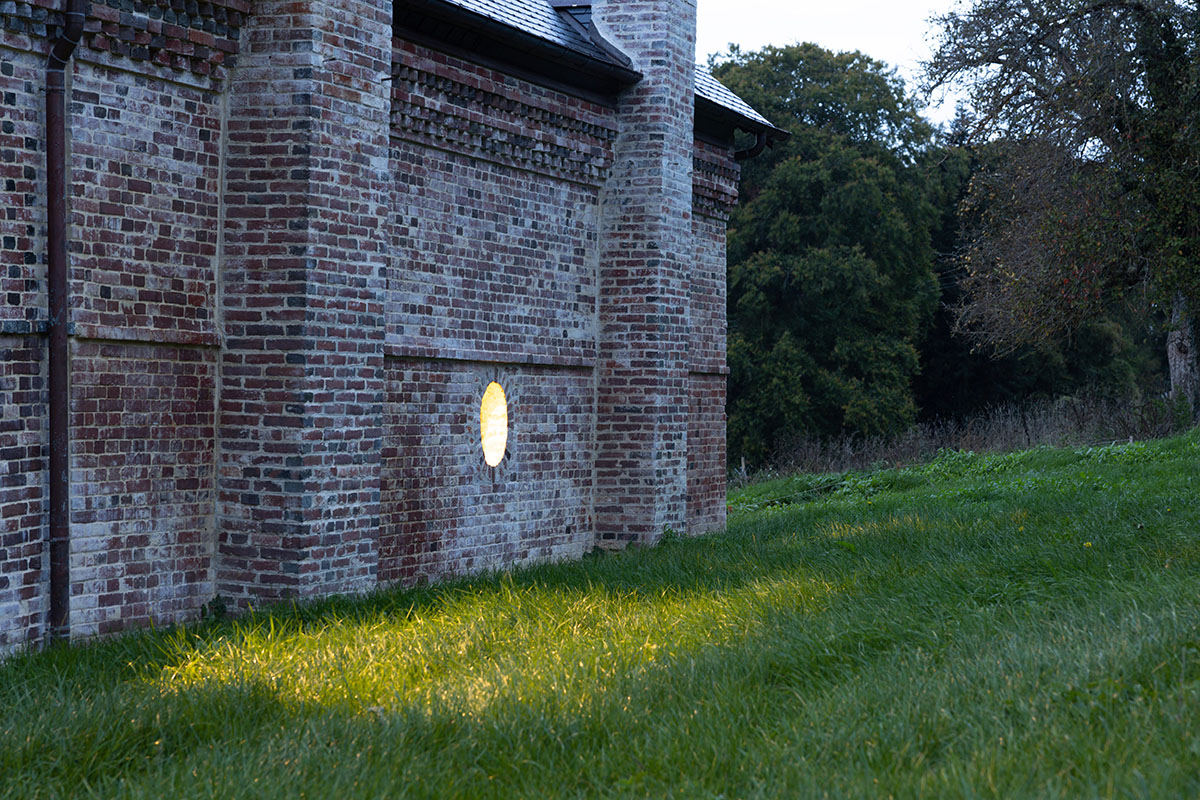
(445, 511)
(22, 192)
(714, 192)
(707, 471)
(490, 263)
(494, 214)
(145, 186)
(142, 467)
(23, 500)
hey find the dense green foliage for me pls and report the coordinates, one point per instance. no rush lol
(1020, 625)
(845, 279)
(830, 262)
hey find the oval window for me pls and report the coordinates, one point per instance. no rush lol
(493, 424)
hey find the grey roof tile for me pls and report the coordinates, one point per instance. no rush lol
(535, 17)
(538, 18)
(708, 87)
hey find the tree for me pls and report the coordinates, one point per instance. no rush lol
(1089, 193)
(1116, 355)
(830, 263)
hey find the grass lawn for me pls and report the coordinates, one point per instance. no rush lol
(1023, 625)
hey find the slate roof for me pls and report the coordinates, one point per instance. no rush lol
(711, 89)
(534, 17)
(538, 18)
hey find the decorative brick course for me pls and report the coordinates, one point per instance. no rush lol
(715, 176)
(443, 102)
(199, 37)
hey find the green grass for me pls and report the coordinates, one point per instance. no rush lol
(1022, 625)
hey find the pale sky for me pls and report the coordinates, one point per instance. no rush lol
(893, 31)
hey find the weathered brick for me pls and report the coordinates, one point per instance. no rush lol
(292, 283)
(645, 261)
(23, 501)
(302, 383)
(143, 483)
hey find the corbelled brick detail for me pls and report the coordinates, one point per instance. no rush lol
(198, 37)
(443, 102)
(645, 257)
(302, 371)
(715, 176)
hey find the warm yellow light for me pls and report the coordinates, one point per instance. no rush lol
(493, 424)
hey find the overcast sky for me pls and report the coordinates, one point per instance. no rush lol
(894, 31)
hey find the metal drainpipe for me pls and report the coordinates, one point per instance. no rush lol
(76, 12)
(750, 152)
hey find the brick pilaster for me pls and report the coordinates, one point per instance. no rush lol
(303, 289)
(645, 249)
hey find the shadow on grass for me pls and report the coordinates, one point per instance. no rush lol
(903, 576)
(901, 593)
(846, 545)
(678, 715)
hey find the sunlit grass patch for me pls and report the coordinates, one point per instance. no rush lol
(1025, 625)
(555, 647)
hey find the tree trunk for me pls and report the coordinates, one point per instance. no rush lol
(1181, 353)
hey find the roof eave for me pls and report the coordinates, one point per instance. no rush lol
(716, 116)
(531, 53)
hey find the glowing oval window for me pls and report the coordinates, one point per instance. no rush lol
(493, 424)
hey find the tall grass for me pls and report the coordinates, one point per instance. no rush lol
(1019, 625)
(1065, 422)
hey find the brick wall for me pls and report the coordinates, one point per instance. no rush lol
(22, 185)
(645, 258)
(294, 276)
(494, 214)
(302, 371)
(144, 188)
(714, 192)
(494, 231)
(145, 144)
(142, 428)
(23, 501)
(445, 510)
(144, 117)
